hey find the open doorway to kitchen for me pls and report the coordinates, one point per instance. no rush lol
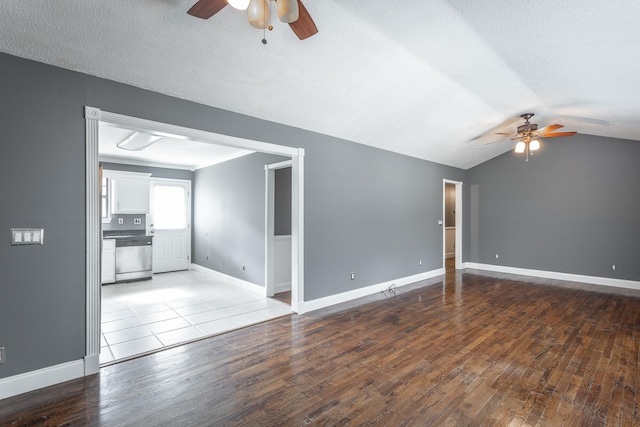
(184, 307)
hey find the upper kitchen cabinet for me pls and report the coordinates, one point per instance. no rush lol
(129, 192)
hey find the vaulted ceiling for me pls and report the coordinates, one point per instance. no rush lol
(431, 79)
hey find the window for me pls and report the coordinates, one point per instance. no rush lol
(105, 207)
(169, 207)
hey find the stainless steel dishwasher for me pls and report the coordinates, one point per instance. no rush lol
(134, 257)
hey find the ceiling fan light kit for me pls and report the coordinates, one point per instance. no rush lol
(528, 134)
(239, 4)
(291, 12)
(288, 11)
(259, 14)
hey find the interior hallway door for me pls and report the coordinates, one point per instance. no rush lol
(170, 224)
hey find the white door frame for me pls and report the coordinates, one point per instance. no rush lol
(172, 181)
(93, 117)
(458, 185)
(269, 264)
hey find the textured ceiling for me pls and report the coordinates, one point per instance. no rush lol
(430, 79)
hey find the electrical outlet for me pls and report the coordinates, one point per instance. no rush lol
(2, 355)
(613, 266)
(353, 276)
(420, 262)
(497, 256)
(120, 221)
(137, 221)
(244, 268)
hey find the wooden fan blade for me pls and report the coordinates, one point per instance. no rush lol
(550, 128)
(304, 27)
(508, 134)
(556, 134)
(205, 9)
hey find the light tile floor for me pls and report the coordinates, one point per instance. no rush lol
(172, 308)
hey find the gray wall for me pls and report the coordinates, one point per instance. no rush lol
(366, 210)
(573, 208)
(282, 202)
(229, 217)
(42, 185)
(370, 212)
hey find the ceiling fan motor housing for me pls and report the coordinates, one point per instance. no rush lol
(527, 128)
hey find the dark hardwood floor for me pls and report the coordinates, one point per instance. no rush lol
(471, 349)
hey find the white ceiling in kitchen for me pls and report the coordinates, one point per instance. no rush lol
(166, 152)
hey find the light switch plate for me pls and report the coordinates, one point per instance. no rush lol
(27, 236)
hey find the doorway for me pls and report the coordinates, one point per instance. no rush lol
(93, 118)
(170, 224)
(278, 243)
(452, 225)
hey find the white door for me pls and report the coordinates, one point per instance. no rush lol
(169, 223)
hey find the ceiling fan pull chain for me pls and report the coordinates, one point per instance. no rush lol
(264, 17)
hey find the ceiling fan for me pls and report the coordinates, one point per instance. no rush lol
(292, 12)
(528, 134)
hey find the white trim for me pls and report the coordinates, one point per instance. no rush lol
(93, 287)
(92, 364)
(280, 165)
(593, 280)
(458, 227)
(297, 231)
(225, 278)
(269, 213)
(269, 218)
(180, 132)
(93, 227)
(34, 380)
(330, 300)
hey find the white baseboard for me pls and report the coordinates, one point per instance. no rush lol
(34, 380)
(330, 300)
(91, 364)
(229, 279)
(593, 280)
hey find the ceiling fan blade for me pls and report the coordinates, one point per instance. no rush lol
(556, 134)
(550, 128)
(205, 9)
(508, 134)
(304, 27)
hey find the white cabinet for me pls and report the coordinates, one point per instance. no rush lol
(108, 260)
(129, 192)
